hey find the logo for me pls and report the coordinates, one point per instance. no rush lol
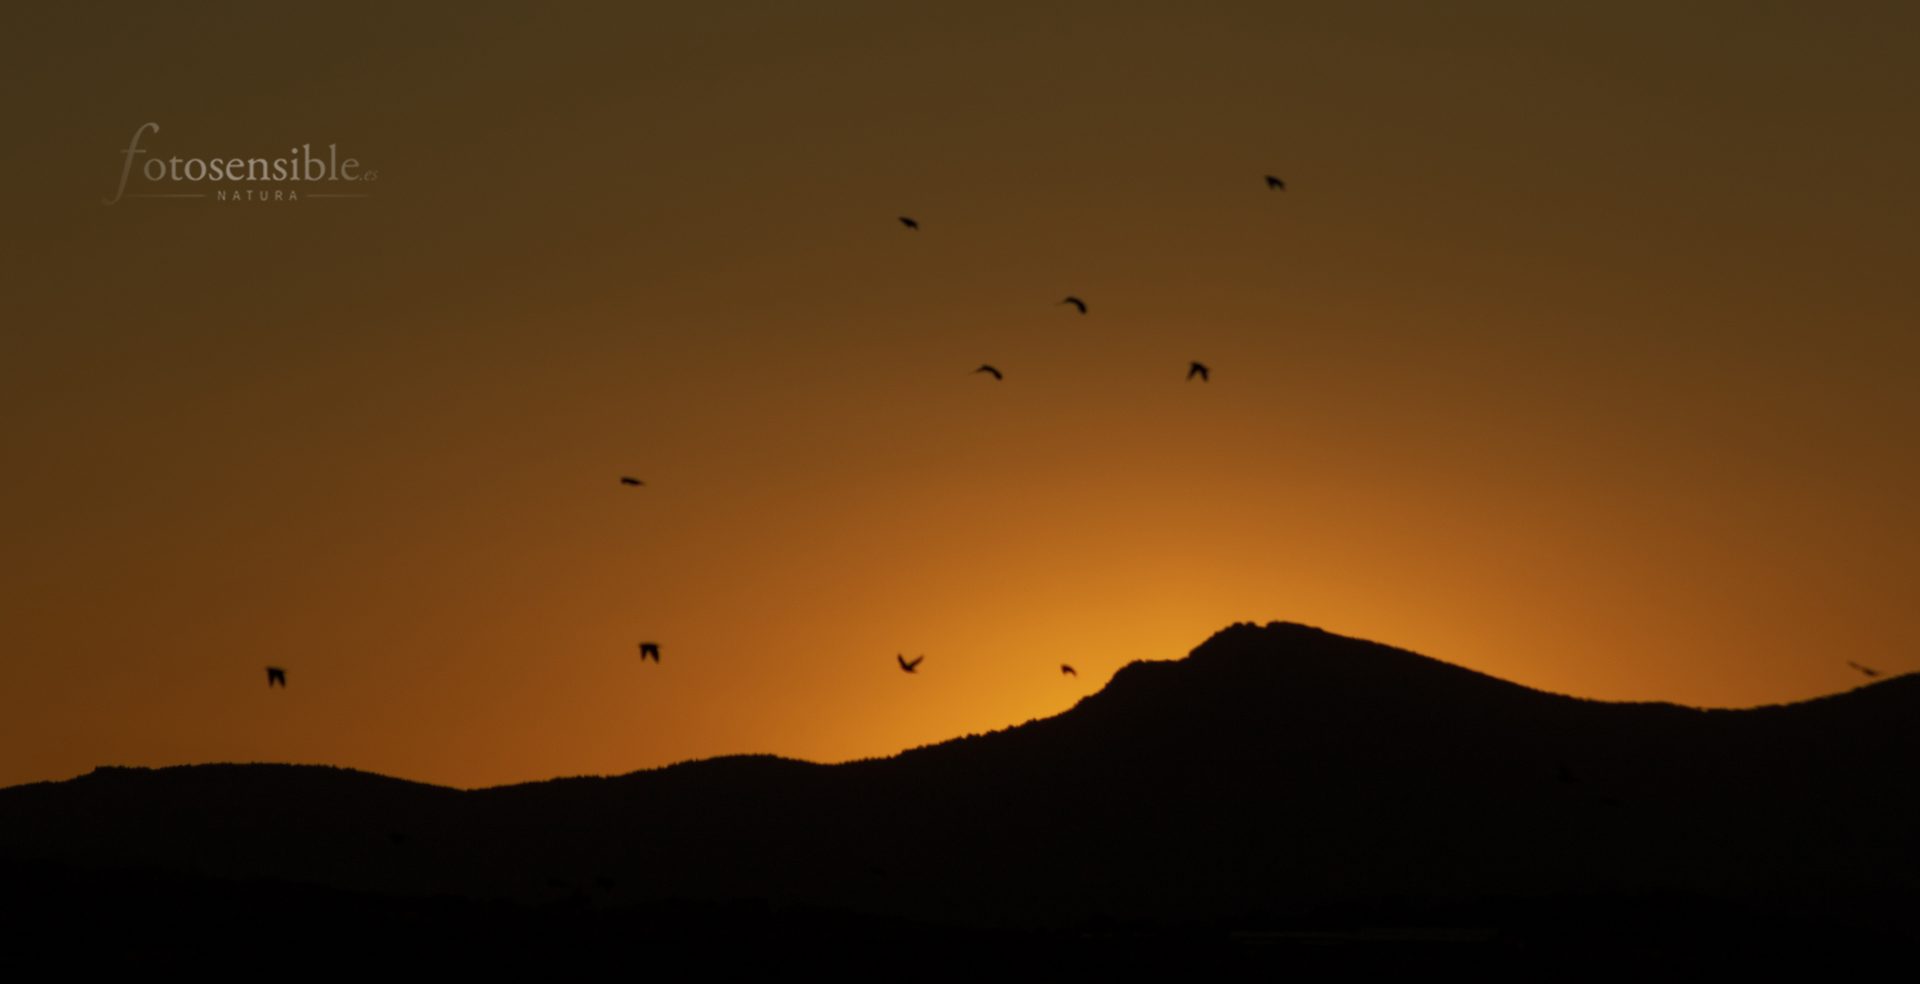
(299, 174)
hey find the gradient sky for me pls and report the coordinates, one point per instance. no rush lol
(1579, 351)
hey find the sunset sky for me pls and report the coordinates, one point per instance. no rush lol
(1579, 351)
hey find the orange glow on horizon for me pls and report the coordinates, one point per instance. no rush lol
(1575, 351)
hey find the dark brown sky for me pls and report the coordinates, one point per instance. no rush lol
(1579, 351)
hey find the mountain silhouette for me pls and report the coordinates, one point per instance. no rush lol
(1280, 783)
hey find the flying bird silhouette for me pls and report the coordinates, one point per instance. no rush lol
(276, 675)
(995, 372)
(1198, 369)
(1076, 302)
(1275, 184)
(650, 651)
(630, 480)
(1066, 670)
(909, 223)
(1868, 670)
(910, 665)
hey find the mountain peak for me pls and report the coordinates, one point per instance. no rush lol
(1289, 665)
(1245, 637)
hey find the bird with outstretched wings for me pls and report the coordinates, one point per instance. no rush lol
(1199, 369)
(990, 370)
(1078, 304)
(909, 665)
(650, 651)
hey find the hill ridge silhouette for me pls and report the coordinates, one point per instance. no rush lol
(1275, 774)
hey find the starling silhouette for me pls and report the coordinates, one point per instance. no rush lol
(630, 480)
(909, 223)
(1868, 670)
(1198, 369)
(1066, 670)
(990, 369)
(650, 651)
(1275, 184)
(276, 675)
(1076, 302)
(909, 665)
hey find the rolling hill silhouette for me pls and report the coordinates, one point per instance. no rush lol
(1279, 786)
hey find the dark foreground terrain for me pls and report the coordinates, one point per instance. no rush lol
(1282, 797)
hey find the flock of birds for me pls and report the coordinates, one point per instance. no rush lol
(1196, 369)
(277, 676)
